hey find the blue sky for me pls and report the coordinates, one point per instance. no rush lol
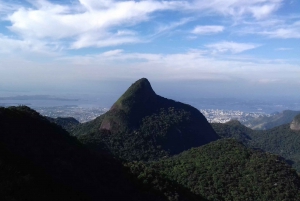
(211, 48)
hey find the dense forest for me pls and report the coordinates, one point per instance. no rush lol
(226, 170)
(280, 140)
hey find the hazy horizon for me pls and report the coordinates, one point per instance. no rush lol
(107, 93)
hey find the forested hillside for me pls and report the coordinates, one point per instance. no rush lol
(280, 140)
(226, 170)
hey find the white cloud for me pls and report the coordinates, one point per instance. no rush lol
(104, 40)
(233, 47)
(283, 49)
(92, 5)
(262, 11)
(278, 27)
(87, 24)
(7, 7)
(173, 25)
(207, 29)
(191, 65)
(239, 8)
(12, 45)
(284, 33)
(92, 22)
(126, 32)
(112, 53)
(117, 64)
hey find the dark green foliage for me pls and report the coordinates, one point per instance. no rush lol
(227, 170)
(40, 161)
(280, 140)
(161, 134)
(158, 125)
(126, 146)
(150, 180)
(264, 123)
(87, 127)
(150, 142)
(138, 93)
(233, 129)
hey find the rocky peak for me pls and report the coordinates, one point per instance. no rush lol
(295, 125)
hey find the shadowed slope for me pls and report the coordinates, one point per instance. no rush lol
(40, 161)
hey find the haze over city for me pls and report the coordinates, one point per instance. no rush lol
(197, 49)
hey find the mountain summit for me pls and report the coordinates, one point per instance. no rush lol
(138, 93)
(144, 126)
(133, 105)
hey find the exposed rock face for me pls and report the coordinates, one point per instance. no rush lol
(295, 125)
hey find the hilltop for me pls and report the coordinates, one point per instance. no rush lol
(142, 125)
(233, 129)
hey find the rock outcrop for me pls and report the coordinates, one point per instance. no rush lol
(295, 125)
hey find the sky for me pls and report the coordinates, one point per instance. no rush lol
(197, 48)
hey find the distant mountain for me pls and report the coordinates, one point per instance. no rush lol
(144, 126)
(281, 140)
(264, 123)
(40, 161)
(226, 170)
